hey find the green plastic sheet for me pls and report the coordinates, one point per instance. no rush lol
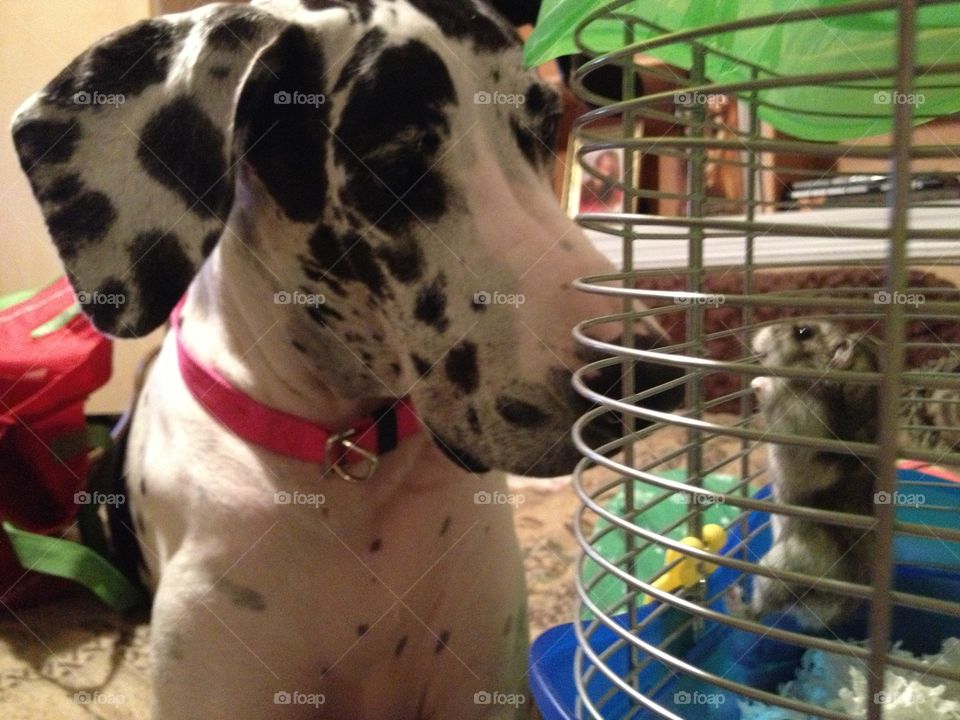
(863, 42)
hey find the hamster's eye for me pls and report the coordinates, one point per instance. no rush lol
(803, 332)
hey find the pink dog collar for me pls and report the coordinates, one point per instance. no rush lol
(290, 435)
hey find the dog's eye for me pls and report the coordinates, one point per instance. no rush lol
(803, 332)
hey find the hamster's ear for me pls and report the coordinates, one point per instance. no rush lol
(131, 152)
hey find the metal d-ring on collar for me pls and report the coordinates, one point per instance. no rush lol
(340, 443)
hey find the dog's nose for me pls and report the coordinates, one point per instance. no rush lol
(610, 381)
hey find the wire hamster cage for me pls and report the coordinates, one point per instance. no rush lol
(845, 207)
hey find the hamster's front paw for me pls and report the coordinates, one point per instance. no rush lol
(763, 386)
(734, 602)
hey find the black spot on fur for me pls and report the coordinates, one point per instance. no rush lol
(299, 347)
(162, 271)
(445, 526)
(473, 420)
(45, 141)
(359, 254)
(324, 269)
(286, 143)
(404, 259)
(62, 189)
(234, 27)
(143, 485)
(245, 598)
(327, 255)
(463, 21)
(401, 644)
(421, 365)
(461, 367)
(362, 629)
(536, 99)
(518, 412)
(395, 368)
(431, 304)
(220, 72)
(376, 545)
(81, 221)
(442, 641)
(125, 63)
(182, 149)
(210, 242)
(322, 315)
(98, 305)
(369, 44)
(393, 185)
(526, 141)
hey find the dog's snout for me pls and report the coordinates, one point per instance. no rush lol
(613, 380)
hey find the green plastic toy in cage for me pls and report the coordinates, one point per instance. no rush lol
(667, 513)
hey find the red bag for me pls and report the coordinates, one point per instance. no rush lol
(51, 359)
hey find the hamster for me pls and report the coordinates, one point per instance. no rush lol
(814, 478)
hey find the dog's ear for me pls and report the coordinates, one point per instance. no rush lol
(132, 150)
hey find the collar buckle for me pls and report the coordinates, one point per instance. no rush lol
(336, 449)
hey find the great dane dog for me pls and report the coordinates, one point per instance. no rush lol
(352, 199)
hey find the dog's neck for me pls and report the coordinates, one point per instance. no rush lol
(228, 324)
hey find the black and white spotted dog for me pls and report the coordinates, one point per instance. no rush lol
(333, 150)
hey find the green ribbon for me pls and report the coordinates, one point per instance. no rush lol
(76, 562)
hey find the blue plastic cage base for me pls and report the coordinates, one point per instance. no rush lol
(745, 657)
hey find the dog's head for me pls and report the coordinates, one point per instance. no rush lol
(389, 157)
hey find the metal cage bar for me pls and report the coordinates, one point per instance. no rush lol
(719, 430)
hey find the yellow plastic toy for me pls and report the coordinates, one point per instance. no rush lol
(689, 570)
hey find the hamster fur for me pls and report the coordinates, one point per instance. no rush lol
(817, 408)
